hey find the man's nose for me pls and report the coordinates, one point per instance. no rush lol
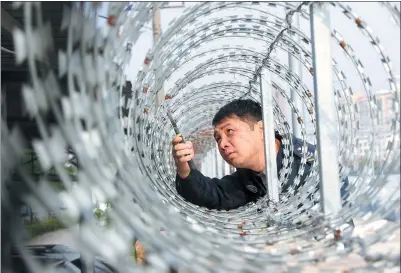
(223, 143)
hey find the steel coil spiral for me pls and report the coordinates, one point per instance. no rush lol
(120, 135)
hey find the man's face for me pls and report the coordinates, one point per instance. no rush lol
(240, 143)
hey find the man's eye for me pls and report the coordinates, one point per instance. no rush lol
(230, 130)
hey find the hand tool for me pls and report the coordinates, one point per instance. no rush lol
(177, 132)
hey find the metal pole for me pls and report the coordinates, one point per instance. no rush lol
(215, 167)
(210, 164)
(204, 171)
(211, 168)
(327, 135)
(296, 68)
(156, 22)
(219, 164)
(269, 138)
(202, 166)
(206, 163)
(214, 163)
(156, 36)
(218, 171)
(226, 168)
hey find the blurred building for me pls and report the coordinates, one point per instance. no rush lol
(385, 115)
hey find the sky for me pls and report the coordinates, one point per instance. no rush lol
(373, 13)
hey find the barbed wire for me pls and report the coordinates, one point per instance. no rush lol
(244, 230)
(288, 20)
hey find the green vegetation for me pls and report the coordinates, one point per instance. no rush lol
(133, 251)
(36, 228)
(102, 216)
(42, 227)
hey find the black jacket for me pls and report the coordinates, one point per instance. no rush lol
(237, 189)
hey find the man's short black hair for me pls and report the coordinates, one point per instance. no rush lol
(246, 110)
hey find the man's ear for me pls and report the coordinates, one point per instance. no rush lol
(260, 124)
(260, 127)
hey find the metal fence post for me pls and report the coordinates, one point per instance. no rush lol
(208, 160)
(269, 138)
(213, 163)
(295, 67)
(226, 168)
(202, 165)
(218, 163)
(326, 117)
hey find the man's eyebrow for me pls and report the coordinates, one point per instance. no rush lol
(228, 124)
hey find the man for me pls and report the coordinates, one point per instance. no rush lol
(238, 131)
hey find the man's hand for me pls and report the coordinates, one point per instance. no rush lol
(182, 153)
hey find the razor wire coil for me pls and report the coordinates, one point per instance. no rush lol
(135, 172)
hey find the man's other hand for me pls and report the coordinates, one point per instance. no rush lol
(182, 153)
